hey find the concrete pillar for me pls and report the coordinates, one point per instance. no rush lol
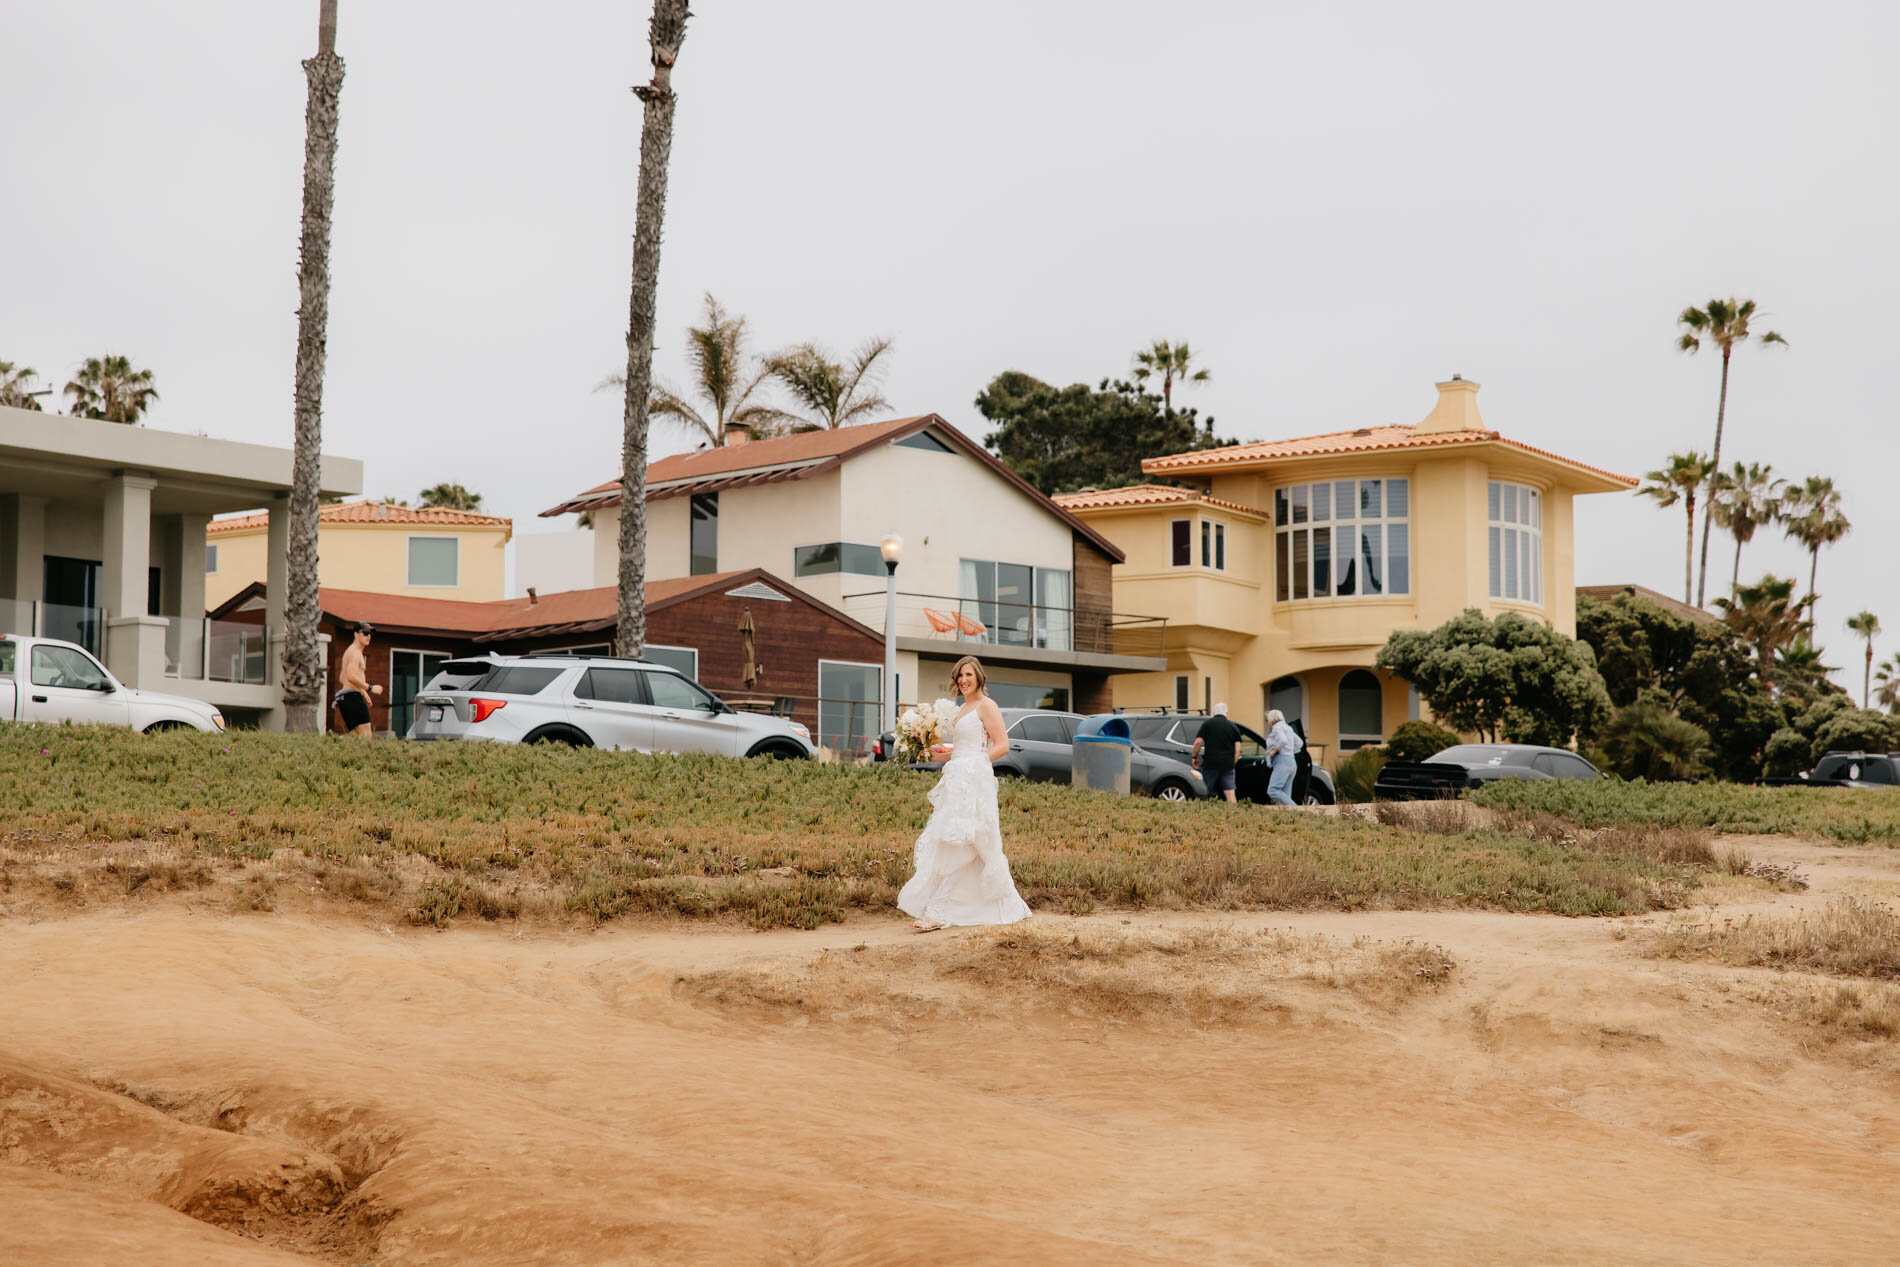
(181, 562)
(22, 547)
(135, 641)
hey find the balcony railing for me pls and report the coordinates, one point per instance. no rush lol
(83, 625)
(999, 622)
(207, 650)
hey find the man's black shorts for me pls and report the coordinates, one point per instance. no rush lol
(354, 707)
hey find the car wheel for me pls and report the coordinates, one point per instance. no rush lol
(783, 752)
(160, 727)
(1172, 790)
(559, 734)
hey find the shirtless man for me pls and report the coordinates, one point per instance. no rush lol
(353, 688)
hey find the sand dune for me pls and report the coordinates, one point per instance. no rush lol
(186, 1085)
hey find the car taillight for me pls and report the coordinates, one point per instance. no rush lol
(479, 709)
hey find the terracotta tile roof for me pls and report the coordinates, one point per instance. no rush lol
(1362, 440)
(805, 448)
(369, 512)
(800, 456)
(570, 611)
(1148, 495)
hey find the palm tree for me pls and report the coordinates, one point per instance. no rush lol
(1743, 499)
(108, 388)
(1685, 476)
(303, 662)
(1866, 625)
(834, 394)
(13, 386)
(666, 31)
(1766, 616)
(1724, 323)
(721, 378)
(1814, 519)
(1173, 363)
(1888, 676)
(450, 497)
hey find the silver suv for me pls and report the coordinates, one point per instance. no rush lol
(594, 702)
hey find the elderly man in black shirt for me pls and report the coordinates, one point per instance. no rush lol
(1217, 751)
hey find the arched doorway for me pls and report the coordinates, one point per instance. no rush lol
(1361, 710)
(1287, 695)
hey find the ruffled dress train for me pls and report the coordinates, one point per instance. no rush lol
(962, 876)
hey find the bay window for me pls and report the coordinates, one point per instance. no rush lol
(1516, 539)
(1342, 539)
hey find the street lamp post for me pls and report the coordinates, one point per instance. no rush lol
(892, 546)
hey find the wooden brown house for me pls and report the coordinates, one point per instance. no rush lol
(749, 637)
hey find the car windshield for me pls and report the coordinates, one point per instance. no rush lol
(1475, 754)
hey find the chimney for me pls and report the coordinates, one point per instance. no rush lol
(737, 433)
(1456, 410)
(532, 600)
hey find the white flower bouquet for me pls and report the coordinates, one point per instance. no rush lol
(920, 727)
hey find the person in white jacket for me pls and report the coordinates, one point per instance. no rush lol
(1282, 745)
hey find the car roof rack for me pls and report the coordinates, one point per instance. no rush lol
(582, 655)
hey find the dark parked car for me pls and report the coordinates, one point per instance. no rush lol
(1847, 769)
(1173, 733)
(1039, 750)
(1473, 765)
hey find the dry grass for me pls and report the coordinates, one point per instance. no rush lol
(1847, 938)
(1214, 976)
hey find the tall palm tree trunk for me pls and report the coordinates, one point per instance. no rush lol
(1735, 575)
(1867, 675)
(1814, 567)
(303, 667)
(666, 31)
(1688, 553)
(1715, 464)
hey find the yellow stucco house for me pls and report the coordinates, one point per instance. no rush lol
(427, 551)
(1283, 566)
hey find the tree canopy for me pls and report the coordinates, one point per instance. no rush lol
(1064, 438)
(1508, 679)
(450, 497)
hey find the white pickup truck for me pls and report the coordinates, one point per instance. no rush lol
(45, 680)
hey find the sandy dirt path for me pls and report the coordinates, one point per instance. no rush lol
(184, 1085)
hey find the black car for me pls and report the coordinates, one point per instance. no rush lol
(1173, 733)
(1039, 750)
(1847, 769)
(1473, 765)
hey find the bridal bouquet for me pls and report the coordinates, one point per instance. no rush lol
(919, 728)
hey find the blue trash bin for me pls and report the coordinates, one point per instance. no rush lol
(1102, 753)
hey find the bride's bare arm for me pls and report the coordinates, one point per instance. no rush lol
(993, 729)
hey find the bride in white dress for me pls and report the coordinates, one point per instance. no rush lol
(962, 876)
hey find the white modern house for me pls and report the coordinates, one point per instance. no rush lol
(102, 542)
(989, 565)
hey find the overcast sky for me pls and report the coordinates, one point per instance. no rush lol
(1336, 204)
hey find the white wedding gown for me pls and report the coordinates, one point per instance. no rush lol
(962, 876)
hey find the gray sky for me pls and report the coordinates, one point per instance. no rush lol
(1337, 204)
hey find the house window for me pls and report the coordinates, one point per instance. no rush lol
(850, 705)
(705, 545)
(1183, 553)
(1516, 514)
(1361, 710)
(435, 561)
(211, 560)
(680, 659)
(409, 672)
(1018, 605)
(1180, 692)
(1342, 539)
(1023, 695)
(1213, 545)
(838, 556)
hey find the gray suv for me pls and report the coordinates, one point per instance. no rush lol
(1039, 750)
(593, 702)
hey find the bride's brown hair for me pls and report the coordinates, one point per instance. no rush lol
(982, 678)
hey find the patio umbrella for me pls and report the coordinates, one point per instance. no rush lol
(750, 673)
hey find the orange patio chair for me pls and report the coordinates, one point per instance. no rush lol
(940, 622)
(971, 628)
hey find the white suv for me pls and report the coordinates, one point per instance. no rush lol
(594, 702)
